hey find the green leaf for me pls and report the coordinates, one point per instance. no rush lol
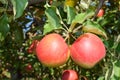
(80, 18)
(52, 16)
(46, 78)
(48, 28)
(109, 73)
(101, 78)
(116, 71)
(18, 35)
(6, 73)
(118, 48)
(4, 1)
(85, 4)
(1, 50)
(4, 27)
(53, 21)
(70, 14)
(1, 37)
(2, 9)
(94, 27)
(18, 7)
(102, 21)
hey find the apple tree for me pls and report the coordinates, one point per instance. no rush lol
(41, 39)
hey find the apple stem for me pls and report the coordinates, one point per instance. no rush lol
(73, 37)
(64, 29)
(64, 25)
(61, 20)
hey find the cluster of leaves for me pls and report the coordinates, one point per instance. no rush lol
(21, 24)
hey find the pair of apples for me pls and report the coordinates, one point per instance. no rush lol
(86, 51)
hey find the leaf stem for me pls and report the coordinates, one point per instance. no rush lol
(72, 27)
(64, 25)
(58, 13)
(76, 29)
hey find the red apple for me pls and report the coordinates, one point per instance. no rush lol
(87, 50)
(50, 2)
(52, 50)
(32, 47)
(100, 13)
(28, 67)
(69, 75)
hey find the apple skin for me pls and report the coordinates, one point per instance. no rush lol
(32, 47)
(52, 51)
(87, 50)
(100, 13)
(69, 75)
(28, 67)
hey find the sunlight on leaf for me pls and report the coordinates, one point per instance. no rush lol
(4, 1)
(52, 16)
(53, 21)
(85, 4)
(116, 68)
(114, 72)
(6, 73)
(109, 73)
(48, 28)
(101, 78)
(70, 14)
(91, 26)
(81, 17)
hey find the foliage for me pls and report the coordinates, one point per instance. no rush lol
(20, 24)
